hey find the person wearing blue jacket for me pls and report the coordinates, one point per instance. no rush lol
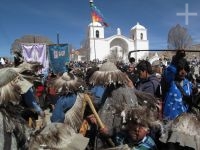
(30, 102)
(67, 87)
(63, 104)
(178, 97)
(97, 91)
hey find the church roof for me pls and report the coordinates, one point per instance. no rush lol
(95, 24)
(118, 36)
(138, 26)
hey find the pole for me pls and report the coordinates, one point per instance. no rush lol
(58, 38)
(34, 39)
(161, 50)
(91, 2)
(95, 57)
(100, 123)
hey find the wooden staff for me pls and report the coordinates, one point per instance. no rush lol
(100, 123)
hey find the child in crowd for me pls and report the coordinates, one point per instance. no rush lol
(139, 123)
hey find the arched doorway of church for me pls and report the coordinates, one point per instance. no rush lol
(118, 49)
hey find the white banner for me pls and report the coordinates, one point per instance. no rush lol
(36, 52)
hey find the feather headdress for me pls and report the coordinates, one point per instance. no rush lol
(143, 116)
(108, 74)
(12, 84)
(68, 83)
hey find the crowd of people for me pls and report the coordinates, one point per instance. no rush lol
(137, 105)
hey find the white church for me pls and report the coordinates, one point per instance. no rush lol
(99, 47)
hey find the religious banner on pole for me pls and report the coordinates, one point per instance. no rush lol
(58, 57)
(36, 52)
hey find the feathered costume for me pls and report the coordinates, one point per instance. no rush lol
(13, 126)
(117, 96)
(58, 136)
(184, 130)
(66, 86)
(64, 135)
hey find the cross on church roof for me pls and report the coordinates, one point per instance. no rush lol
(186, 14)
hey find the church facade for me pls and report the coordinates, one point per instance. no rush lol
(117, 46)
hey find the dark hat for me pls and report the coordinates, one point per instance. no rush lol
(182, 63)
(131, 59)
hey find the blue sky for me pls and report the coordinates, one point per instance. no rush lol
(70, 19)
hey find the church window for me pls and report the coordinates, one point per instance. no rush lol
(141, 36)
(97, 33)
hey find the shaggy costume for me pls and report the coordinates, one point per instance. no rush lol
(12, 125)
(116, 97)
(121, 99)
(29, 72)
(69, 88)
(58, 136)
(64, 135)
(139, 117)
(183, 131)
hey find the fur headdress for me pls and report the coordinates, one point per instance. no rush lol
(68, 83)
(12, 84)
(108, 74)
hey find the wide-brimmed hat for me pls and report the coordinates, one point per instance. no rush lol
(12, 84)
(31, 67)
(68, 82)
(108, 73)
(29, 70)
